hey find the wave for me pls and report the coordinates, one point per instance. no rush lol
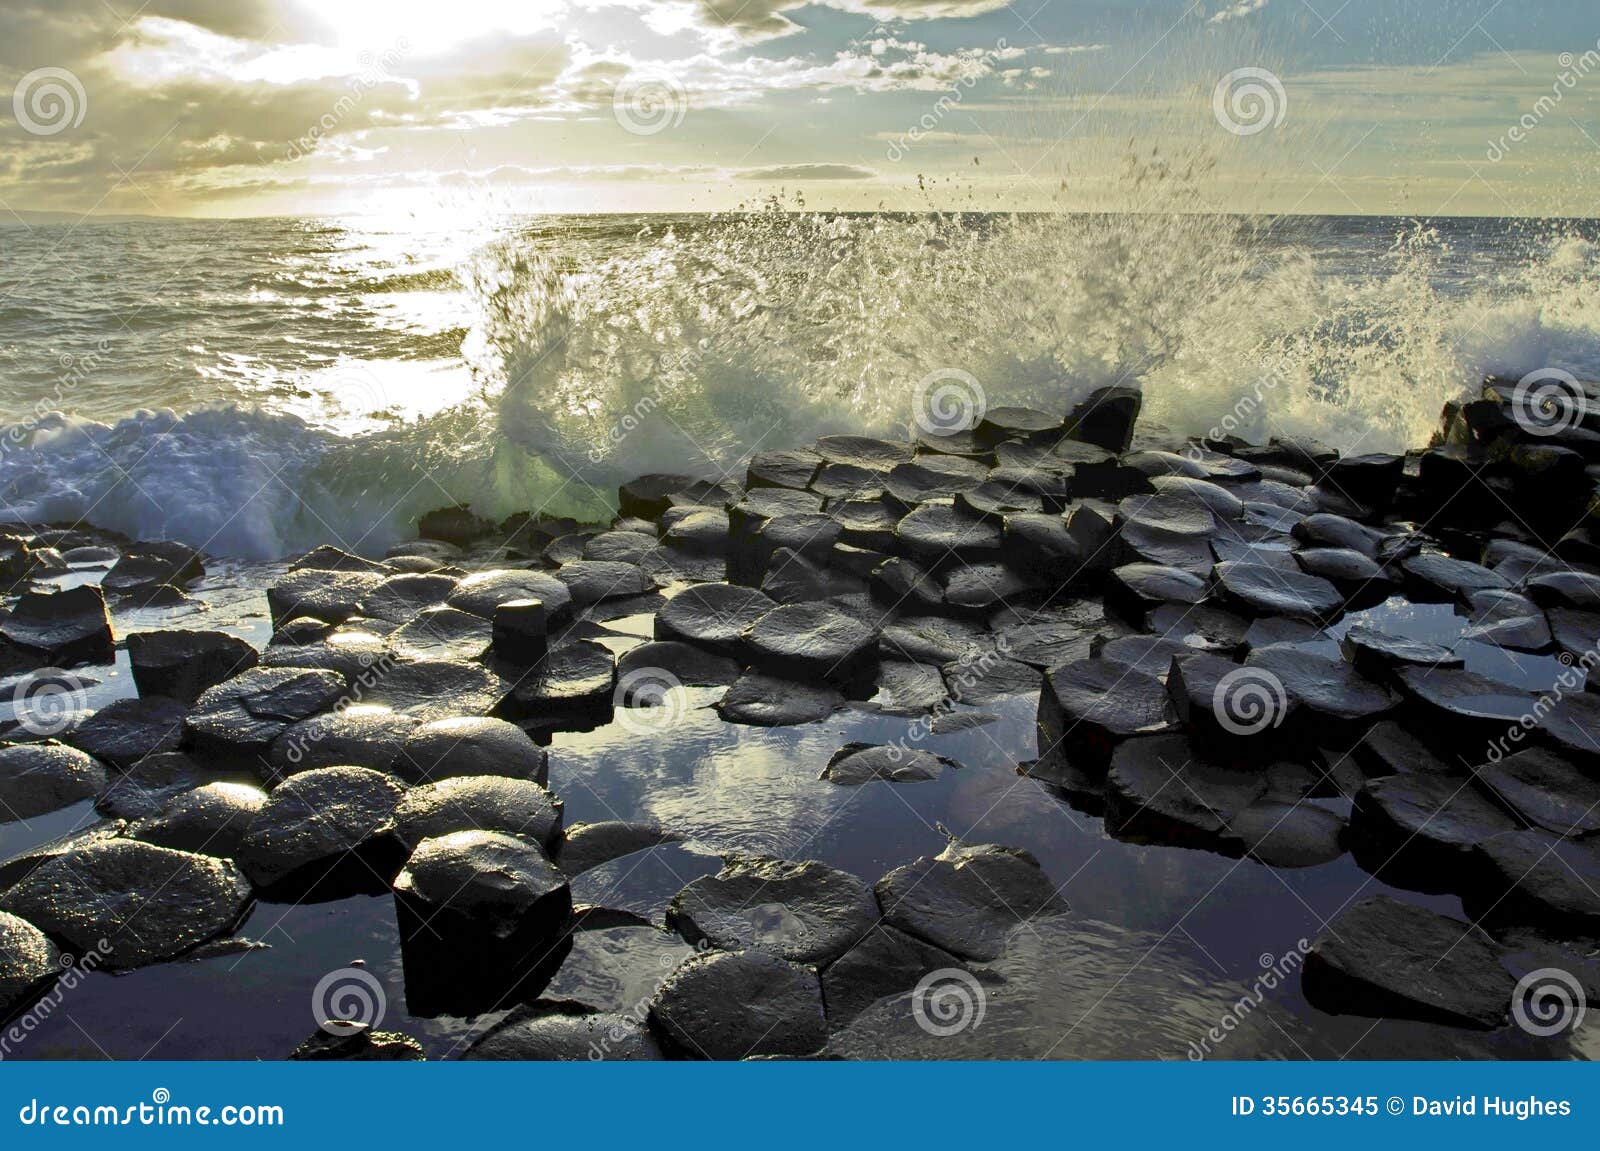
(689, 345)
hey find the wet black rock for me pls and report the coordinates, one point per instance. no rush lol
(1388, 959)
(1359, 579)
(240, 717)
(1572, 726)
(1150, 654)
(1461, 708)
(590, 581)
(358, 1043)
(1106, 417)
(902, 585)
(691, 666)
(456, 525)
(209, 820)
(768, 701)
(1371, 479)
(985, 680)
(864, 452)
(938, 534)
(480, 803)
(182, 664)
(61, 627)
(1324, 530)
(126, 730)
(356, 655)
(696, 530)
(982, 587)
(1433, 578)
(858, 763)
(933, 477)
(1159, 791)
(470, 746)
(1087, 708)
(836, 481)
(152, 564)
(1331, 695)
(1293, 834)
(931, 640)
(362, 736)
(1390, 749)
(712, 616)
(1260, 590)
(1378, 654)
(325, 833)
(1506, 620)
(330, 595)
(1419, 830)
(437, 689)
(547, 1031)
(906, 688)
(812, 642)
(806, 912)
(143, 789)
(577, 681)
(29, 964)
(400, 597)
(649, 497)
(886, 962)
(730, 1005)
(38, 778)
(442, 633)
(149, 904)
(968, 897)
(482, 919)
(1135, 590)
(1544, 790)
(1039, 546)
(482, 592)
(588, 845)
(1575, 589)
(1534, 877)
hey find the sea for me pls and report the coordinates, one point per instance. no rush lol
(256, 387)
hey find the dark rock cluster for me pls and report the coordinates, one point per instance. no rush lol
(1209, 627)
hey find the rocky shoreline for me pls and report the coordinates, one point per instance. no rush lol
(1220, 639)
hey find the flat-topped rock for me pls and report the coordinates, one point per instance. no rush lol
(1461, 706)
(1330, 691)
(149, 904)
(479, 803)
(967, 898)
(38, 778)
(713, 616)
(1506, 620)
(482, 592)
(1158, 790)
(933, 477)
(1421, 828)
(360, 736)
(469, 746)
(1544, 879)
(1546, 791)
(325, 830)
(61, 627)
(791, 468)
(437, 689)
(1325, 530)
(126, 730)
(886, 962)
(144, 788)
(1572, 726)
(938, 534)
(1260, 590)
(1134, 590)
(811, 642)
(1434, 578)
(858, 763)
(208, 820)
(864, 452)
(588, 845)
(768, 701)
(591, 581)
(327, 594)
(691, 666)
(1378, 654)
(182, 664)
(806, 912)
(1388, 959)
(577, 680)
(729, 1005)
(400, 597)
(1088, 707)
(442, 633)
(242, 716)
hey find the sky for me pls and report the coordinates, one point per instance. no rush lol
(283, 107)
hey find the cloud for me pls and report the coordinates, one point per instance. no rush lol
(748, 21)
(1237, 11)
(797, 172)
